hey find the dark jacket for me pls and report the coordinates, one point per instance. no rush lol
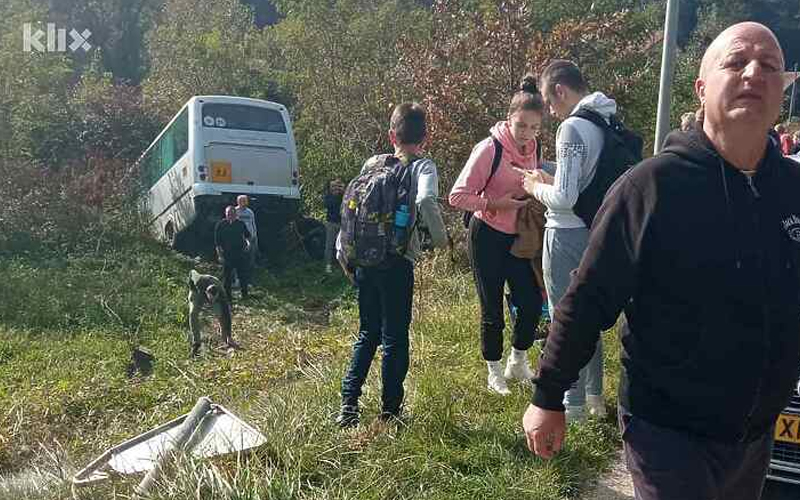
(706, 264)
(333, 207)
(231, 236)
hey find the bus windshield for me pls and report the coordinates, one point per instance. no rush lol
(243, 117)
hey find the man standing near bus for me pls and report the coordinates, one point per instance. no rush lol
(245, 214)
(232, 241)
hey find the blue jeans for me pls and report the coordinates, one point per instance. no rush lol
(563, 249)
(384, 308)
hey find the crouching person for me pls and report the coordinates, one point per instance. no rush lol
(383, 266)
(206, 290)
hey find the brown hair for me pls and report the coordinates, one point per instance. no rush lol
(408, 123)
(527, 96)
(564, 72)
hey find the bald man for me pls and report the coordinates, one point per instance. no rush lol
(700, 245)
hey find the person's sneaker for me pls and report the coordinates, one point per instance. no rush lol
(575, 414)
(194, 351)
(596, 405)
(328, 269)
(348, 417)
(518, 367)
(496, 381)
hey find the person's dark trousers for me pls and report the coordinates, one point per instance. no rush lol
(240, 264)
(493, 266)
(668, 464)
(384, 307)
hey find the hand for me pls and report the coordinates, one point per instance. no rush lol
(544, 430)
(507, 202)
(532, 177)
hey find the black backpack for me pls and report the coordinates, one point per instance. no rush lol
(622, 149)
(498, 155)
(370, 205)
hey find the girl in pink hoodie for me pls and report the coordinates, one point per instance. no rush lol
(496, 199)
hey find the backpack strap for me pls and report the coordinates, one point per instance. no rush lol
(498, 155)
(592, 116)
(411, 191)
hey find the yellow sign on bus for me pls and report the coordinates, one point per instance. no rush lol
(221, 171)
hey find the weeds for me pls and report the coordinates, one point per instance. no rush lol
(62, 379)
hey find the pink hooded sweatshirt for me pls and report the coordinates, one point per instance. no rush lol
(475, 173)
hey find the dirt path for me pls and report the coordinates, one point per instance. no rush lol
(616, 485)
(613, 485)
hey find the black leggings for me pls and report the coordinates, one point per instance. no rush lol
(493, 266)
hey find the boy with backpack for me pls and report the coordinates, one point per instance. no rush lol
(592, 150)
(377, 245)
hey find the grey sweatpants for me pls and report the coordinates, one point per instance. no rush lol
(563, 249)
(196, 302)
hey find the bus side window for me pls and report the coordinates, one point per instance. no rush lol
(167, 151)
(181, 139)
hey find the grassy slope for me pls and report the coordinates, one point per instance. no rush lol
(67, 324)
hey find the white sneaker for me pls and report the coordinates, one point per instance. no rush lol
(496, 381)
(575, 414)
(328, 269)
(518, 366)
(596, 405)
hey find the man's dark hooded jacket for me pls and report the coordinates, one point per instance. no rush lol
(705, 261)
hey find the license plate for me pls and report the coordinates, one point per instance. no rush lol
(221, 171)
(788, 428)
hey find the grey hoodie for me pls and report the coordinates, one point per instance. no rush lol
(578, 147)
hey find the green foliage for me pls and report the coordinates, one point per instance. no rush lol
(202, 48)
(33, 116)
(117, 28)
(113, 123)
(457, 441)
(339, 61)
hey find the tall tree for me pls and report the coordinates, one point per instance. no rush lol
(197, 47)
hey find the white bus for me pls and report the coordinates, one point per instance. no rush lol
(214, 149)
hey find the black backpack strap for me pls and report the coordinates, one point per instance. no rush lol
(592, 116)
(498, 155)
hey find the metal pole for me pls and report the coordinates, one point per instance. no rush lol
(791, 100)
(193, 419)
(667, 70)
